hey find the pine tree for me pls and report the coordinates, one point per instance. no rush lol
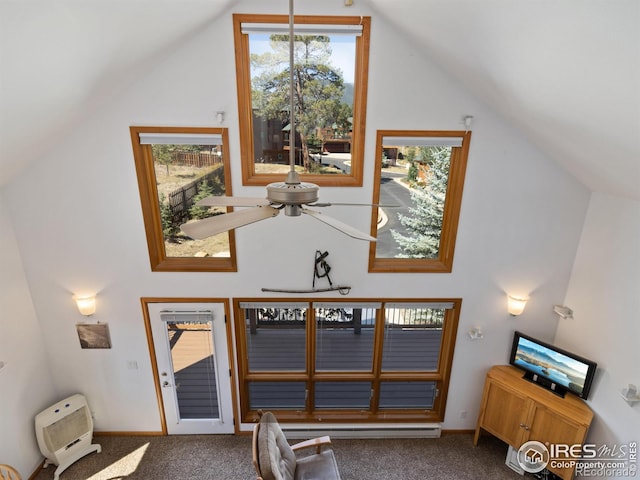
(169, 228)
(204, 190)
(424, 222)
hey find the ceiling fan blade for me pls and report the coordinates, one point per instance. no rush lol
(329, 204)
(223, 223)
(338, 225)
(223, 201)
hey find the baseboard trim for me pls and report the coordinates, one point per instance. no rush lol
(128, 434)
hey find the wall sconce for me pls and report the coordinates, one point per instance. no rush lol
(564, 312)
(515, 306)
(475, 333)
(86, 305)
(630, 394)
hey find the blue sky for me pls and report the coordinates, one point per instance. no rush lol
(342, 52)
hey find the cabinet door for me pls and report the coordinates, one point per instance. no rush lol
(505, 410)
(549, 427)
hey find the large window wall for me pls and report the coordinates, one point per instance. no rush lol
(365, 361)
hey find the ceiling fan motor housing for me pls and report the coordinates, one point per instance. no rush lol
(292, 195)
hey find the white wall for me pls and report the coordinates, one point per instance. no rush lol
(79, 224)
(604, 293)
(26, 385)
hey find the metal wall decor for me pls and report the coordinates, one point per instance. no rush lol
(321, 269)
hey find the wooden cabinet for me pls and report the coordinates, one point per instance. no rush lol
(517, 411)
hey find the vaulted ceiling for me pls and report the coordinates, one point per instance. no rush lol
(565, 73)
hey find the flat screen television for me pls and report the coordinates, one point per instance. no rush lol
(552, 367)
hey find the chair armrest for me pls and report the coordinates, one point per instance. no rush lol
(313, 442)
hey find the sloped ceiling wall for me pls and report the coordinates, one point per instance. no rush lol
(564, 73)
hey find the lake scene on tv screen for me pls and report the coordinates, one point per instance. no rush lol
(555, 366)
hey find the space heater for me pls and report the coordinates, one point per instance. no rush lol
(64, 432)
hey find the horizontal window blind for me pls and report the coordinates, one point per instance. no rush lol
(433, 305)
(422, 141)
(302, 29)
(194, 316)
(274, 305)
(347, 305)
(180, 139)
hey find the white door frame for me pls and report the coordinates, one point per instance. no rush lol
(163, 370)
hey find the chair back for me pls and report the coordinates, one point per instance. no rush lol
(254, 448)
(273, 458)
(7, 472)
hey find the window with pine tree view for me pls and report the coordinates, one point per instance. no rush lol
(365, 361)
(176, 168)
(422, 172)
(330, 68)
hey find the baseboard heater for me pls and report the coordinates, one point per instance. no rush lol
(420, 430)
(64, 432)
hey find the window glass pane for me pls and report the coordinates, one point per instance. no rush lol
(191, 345)
(407, 394)
(324, 82)
(416, 178)
(185, 174)
(344, 338)
(412, 339)
(276, 338)
(282, 395)
(342, 395)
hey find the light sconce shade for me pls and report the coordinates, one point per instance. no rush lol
(630, 394)
(515, 306)
(86, 305)
(563, 311)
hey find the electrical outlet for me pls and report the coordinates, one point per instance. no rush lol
(463, 414)
(132, 365)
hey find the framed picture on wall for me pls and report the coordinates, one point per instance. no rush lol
(94, 335)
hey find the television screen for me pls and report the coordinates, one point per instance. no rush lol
(552, 367)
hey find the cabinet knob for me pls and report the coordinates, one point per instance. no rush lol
(526, 427)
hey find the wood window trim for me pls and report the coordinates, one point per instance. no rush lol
(441, 377)
(245, 114)
(453, 202)
(151, 211)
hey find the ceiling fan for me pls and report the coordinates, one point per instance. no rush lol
(292, 195)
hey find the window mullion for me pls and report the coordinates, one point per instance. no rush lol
(311, 357)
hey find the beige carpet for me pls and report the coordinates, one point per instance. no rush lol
(228, 457)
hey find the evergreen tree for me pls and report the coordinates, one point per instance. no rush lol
(169, 228)
(424, 222)
(204, 190)
(412, 174)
